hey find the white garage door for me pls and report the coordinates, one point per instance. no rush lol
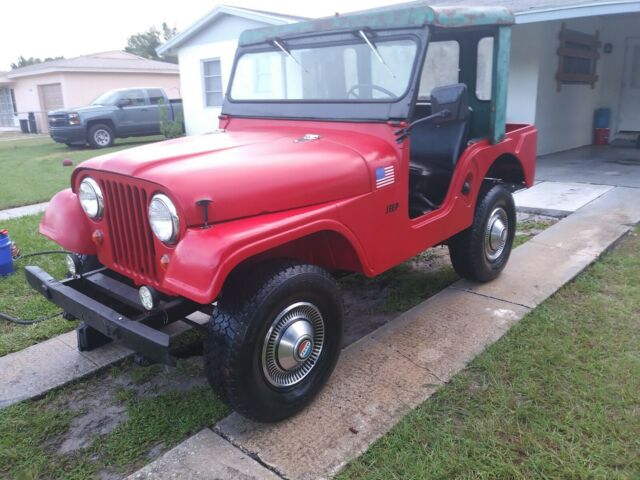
(51, 96)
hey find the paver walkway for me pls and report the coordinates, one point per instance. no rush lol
(386, 374)
(18, 212)
(557, 199)
(53, 363)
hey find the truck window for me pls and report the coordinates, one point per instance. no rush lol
(441, 67)
(136, 96)
(156, 96)
(484, 68)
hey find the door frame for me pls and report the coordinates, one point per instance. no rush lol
(623, 78)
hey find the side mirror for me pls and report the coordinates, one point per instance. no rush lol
(403, 133)
(123, 102)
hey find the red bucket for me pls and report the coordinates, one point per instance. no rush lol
(601, 136)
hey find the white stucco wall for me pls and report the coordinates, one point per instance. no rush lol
(82, 88)
(219, 40)
(565, 118)
(523, 75)
(615, 30)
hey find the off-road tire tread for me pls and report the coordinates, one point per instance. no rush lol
(466, 261)
(242, 295)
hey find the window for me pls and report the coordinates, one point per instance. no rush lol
(155, 96)
(7, 107)
(484, 68)
(212, 76)
(577, 56)
(441, 67)
(136, 96)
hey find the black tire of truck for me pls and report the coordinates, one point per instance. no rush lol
(100, 136)
(274, 339)
(481, 252)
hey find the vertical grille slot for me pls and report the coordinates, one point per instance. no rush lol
(133, 250)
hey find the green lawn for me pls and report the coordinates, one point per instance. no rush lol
(32, 170)
(557, 397)
(19, 300)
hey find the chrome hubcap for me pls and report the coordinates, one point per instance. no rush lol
(102, 137)
(496, 234)
(293, 344)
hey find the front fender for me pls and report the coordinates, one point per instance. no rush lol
(65, 223)
(204, 258)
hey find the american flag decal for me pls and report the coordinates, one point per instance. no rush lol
(384, 176)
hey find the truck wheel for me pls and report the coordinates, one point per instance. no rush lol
(100, 136)
(481, 252)
(274, 339)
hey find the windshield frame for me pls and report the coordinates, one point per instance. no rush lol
(345, 43)
(381, 109)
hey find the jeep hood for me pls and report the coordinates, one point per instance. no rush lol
(246, 173)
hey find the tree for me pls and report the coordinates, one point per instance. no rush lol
(23, 61)
(144, 44)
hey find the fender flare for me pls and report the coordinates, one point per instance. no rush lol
(197, 271)
(65, 223)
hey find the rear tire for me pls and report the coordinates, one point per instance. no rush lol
(100, 136)
(274, 339)
(481, 252)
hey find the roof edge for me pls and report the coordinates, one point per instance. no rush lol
(401, 17)
(193, 29)
(566, 12)
(47, 71)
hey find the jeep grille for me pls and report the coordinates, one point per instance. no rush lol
(132, 246)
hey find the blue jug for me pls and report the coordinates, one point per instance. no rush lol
(6, 260)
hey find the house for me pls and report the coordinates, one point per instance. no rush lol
(74, 82)
(205, 52)
(568, 58)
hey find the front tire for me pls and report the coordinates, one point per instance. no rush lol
(274, 339)
(100, 136)
(481, 252)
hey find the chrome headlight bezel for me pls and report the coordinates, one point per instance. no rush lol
(89, 186)
(163, 202)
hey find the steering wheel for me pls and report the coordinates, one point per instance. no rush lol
(373, 86)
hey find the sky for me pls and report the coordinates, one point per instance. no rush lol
(45, 28)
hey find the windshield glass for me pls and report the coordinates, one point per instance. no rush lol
(107, 98)
(364, 71)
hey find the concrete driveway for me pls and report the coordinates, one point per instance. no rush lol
(600, 165)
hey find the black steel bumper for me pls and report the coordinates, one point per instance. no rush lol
(111, 306)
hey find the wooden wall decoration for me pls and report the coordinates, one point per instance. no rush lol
(577, 57)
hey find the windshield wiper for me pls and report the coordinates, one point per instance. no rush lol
(288, 54)
(375, 51)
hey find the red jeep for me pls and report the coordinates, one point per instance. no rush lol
(349, 143)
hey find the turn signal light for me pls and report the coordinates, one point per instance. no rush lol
(164, 262)
(97, 237)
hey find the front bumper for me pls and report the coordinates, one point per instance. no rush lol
(76, 134)
(110, 305)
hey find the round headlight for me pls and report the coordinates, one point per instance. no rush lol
(163, 218)
(91, 198)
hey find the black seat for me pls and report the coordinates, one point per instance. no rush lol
(436, 146)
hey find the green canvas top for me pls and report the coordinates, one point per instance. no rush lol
(414, 15)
